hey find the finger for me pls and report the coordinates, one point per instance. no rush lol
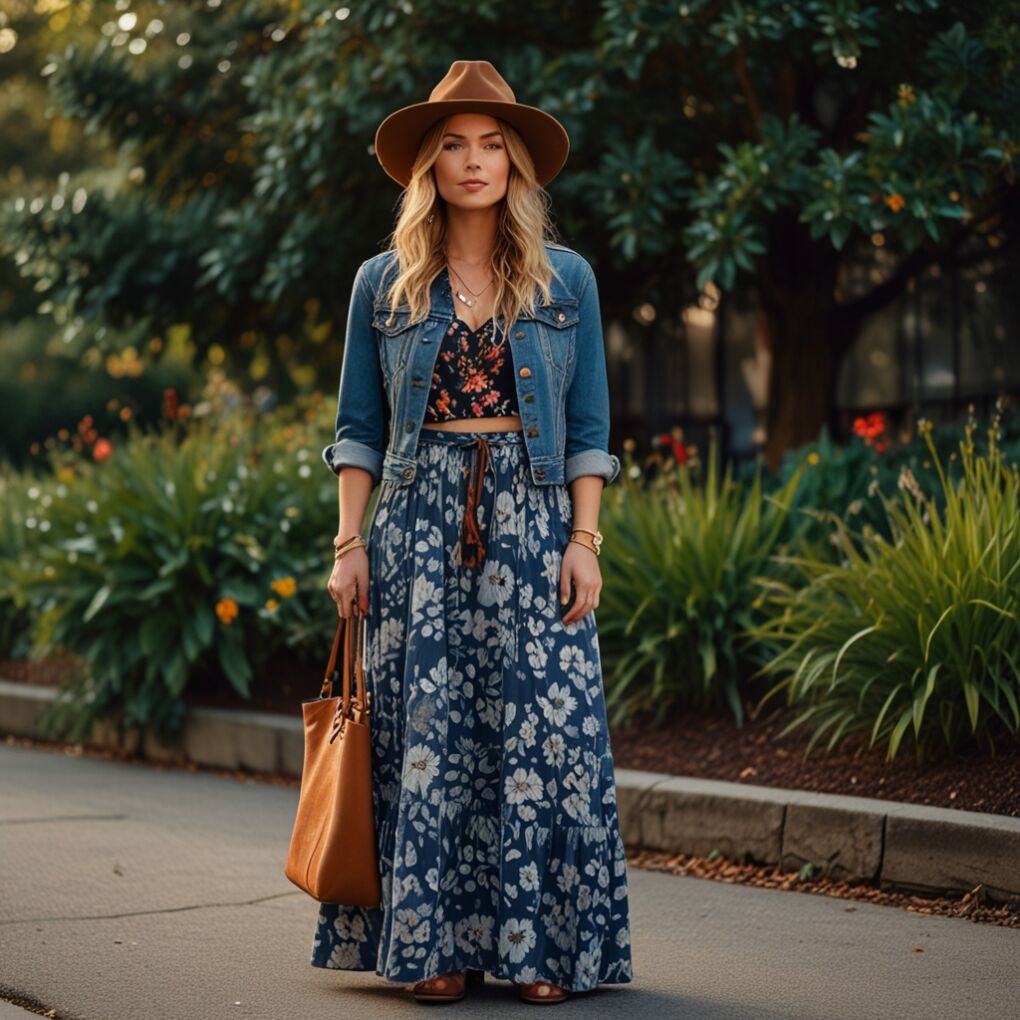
(583, 605)
(565, 578)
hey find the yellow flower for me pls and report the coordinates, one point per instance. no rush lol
(906, 95)
(226, 610)
(271, 605)
(813, 458)
(285, 587)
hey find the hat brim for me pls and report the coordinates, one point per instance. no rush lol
(399, 136)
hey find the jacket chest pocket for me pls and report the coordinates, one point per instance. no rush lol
(395, 334)
(557, 327)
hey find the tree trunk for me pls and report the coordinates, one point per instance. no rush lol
(807, 338)
(806, 359)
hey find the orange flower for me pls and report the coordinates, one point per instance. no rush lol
(226, 610)
(895, 202)
(102, 450)
(284, 587)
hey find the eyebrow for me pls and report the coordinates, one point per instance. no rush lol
(488, 134)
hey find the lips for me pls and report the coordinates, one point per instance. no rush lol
(472, 185)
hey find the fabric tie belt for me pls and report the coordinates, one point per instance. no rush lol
(471, 542)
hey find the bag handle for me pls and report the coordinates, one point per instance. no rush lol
(343, 629)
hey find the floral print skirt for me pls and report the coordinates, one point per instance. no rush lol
(493, 783)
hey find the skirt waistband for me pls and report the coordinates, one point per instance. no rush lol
(472, 543)
(455, 437)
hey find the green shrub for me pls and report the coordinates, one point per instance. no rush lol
(22, 496)
(918, 634)
(182, 553)
(846, 479)
(678, 585)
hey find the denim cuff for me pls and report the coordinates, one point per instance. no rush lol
(592, 462)
(355, 454)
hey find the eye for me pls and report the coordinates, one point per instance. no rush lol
(450, 145)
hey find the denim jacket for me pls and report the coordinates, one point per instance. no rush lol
(559, 370)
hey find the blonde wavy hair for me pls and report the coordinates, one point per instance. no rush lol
(519, 261)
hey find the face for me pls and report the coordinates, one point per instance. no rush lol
(473, 150)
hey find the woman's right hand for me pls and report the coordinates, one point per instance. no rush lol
(348, 583)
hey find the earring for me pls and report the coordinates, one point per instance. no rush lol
(431, 217)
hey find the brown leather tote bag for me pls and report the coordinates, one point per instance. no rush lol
(332, 854)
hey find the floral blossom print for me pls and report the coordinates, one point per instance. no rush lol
(493, 782)
(473, 376)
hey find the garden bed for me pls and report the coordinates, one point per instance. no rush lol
(692, 744)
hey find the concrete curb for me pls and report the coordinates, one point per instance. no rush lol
(905, 846)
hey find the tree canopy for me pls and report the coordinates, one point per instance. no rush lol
(764, 144)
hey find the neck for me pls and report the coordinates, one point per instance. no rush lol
(471, 235)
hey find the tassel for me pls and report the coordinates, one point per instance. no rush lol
(472, 545)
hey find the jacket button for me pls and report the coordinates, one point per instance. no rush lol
(532, 430)
(561, 317)
(525, 372)
(408, 426)
(519, 335)
(529, 397)
(408, 472)
(539, 472)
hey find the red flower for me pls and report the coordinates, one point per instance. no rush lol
(870, 427)
(170, 403)
(102, 450)
(676, 446)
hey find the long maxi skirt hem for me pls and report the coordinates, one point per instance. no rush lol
(493, 781)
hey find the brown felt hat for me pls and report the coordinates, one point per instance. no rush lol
(470, 86)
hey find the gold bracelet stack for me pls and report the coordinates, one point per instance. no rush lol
(596, 540)
(343, 547)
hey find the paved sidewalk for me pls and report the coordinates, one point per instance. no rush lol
(130, 893)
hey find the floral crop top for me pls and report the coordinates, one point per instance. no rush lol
(473, 377)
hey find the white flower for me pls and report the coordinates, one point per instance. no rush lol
(475, 932)
(350, 928)
(410, 927)
(559, 704)
(590, 726)
(420, 768)
(586, 971)
(524, 784)
(568, 878)
(537, 656)
(505, 513)
(527, 733)
(436, 678)
(529, 877)
(344, 956)
(496, 584)
(516, 938)
(573, 660)
(554, 749)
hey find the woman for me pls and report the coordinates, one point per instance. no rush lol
(474, 388)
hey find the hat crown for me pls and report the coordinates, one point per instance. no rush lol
(473, 79)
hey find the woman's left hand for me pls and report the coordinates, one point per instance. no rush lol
(580, 565)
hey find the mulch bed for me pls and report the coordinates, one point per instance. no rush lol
(695, 744)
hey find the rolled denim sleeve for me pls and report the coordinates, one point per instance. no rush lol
(587, 400)
(361, 412)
